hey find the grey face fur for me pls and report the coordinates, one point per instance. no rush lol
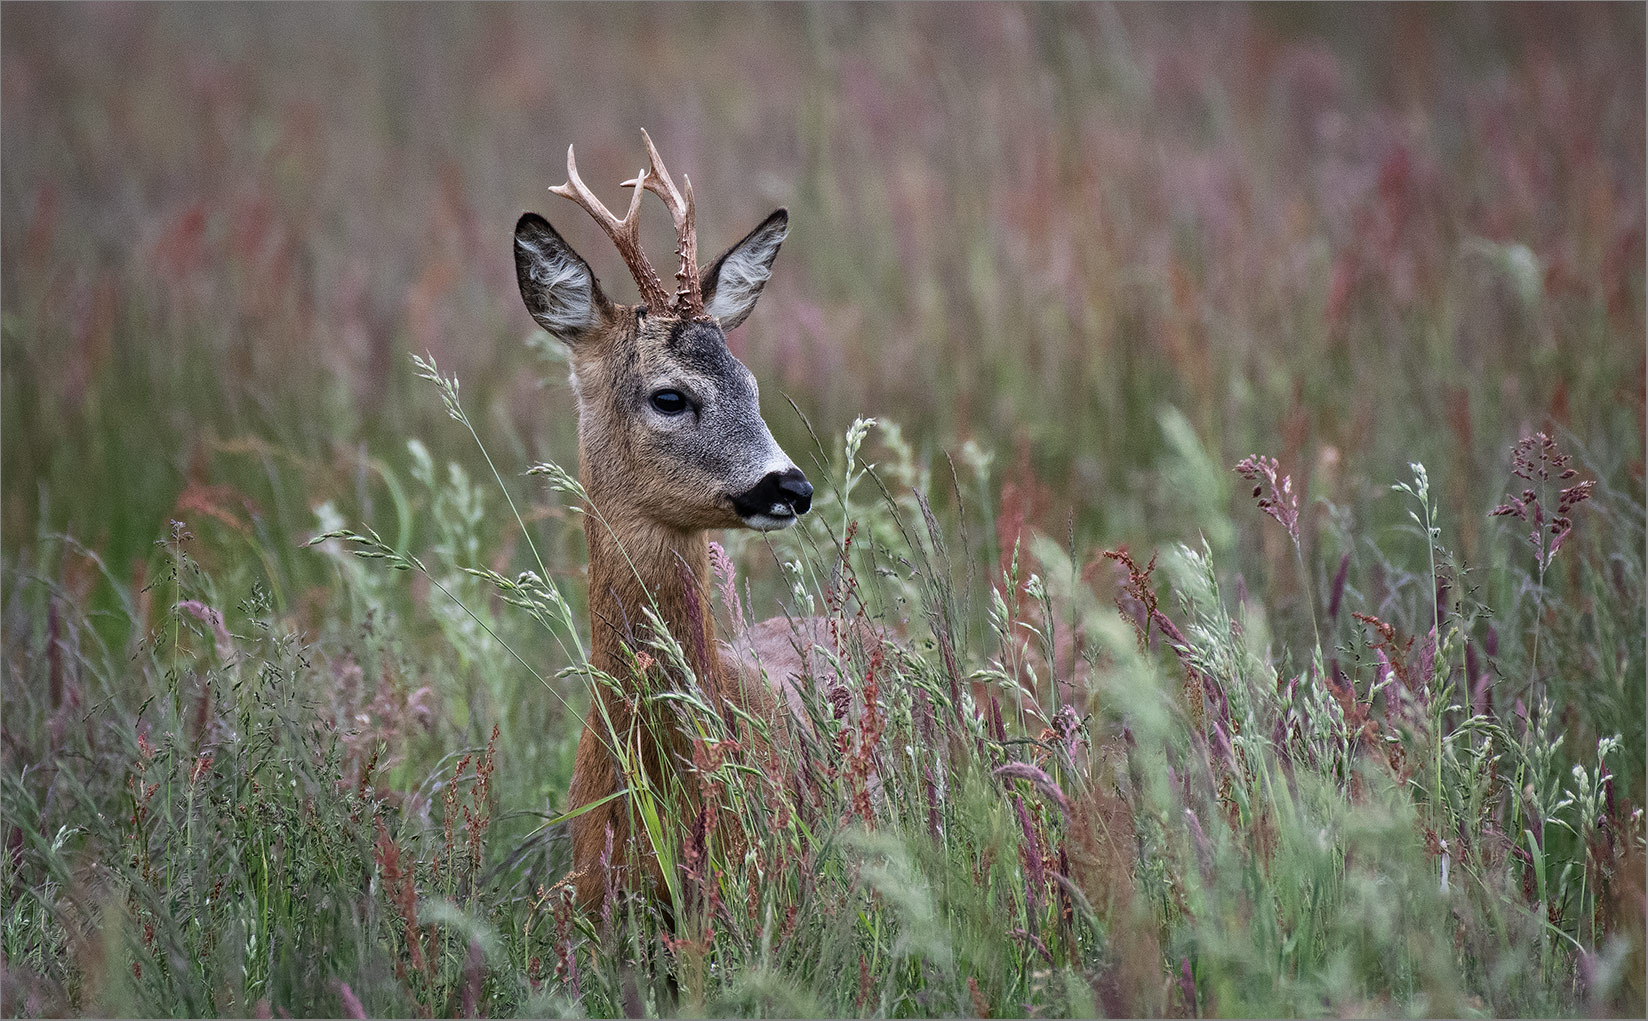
(669, 422)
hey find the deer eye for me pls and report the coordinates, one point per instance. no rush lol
(669, 402)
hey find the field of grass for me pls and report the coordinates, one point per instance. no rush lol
(1255, 489)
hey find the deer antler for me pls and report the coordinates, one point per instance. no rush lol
(625, 233)
(689, 297)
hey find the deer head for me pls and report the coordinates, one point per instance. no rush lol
(669, 422)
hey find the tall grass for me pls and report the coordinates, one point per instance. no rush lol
(1139, 745)
(1167, 817)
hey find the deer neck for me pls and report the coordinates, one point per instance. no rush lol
(637, 566)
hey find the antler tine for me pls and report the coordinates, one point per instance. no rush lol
(689, 296)
(625, 234)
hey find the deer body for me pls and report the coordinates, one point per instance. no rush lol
(671, 444)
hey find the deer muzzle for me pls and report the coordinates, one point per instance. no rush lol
(776, 501)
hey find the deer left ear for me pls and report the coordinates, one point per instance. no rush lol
(734, 281)
(556, 283)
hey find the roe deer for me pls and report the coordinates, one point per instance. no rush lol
(671, 443)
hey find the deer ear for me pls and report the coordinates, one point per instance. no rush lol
(556, 284)
(734, 281)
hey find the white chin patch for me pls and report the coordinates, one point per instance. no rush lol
(779, 518)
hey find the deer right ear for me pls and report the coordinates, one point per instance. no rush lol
(734, 281)
(556, 284)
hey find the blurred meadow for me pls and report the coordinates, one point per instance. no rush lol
(1348, 748)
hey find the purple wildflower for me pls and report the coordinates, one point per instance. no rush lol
(1281, 502)
(1537, 459)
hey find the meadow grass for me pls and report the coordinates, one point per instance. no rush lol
(1223, 362)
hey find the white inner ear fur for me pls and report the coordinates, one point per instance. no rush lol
(742, 274)
(563, 302)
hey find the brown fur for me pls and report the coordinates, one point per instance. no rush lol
(671, 443)
(762, 671)
(664, 560)
(656, 483)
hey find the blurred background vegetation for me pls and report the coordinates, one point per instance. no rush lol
(1354, 237)
(1091, 254)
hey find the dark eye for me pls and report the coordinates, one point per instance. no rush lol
(669, 402)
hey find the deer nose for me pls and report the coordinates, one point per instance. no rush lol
(796, 489)
(778, 494)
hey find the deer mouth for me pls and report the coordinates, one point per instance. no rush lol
(776, 501)
(775, 518)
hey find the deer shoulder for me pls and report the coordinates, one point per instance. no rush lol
(788, 663)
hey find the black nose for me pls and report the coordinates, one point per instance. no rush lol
(787, 491)
(796, 489)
